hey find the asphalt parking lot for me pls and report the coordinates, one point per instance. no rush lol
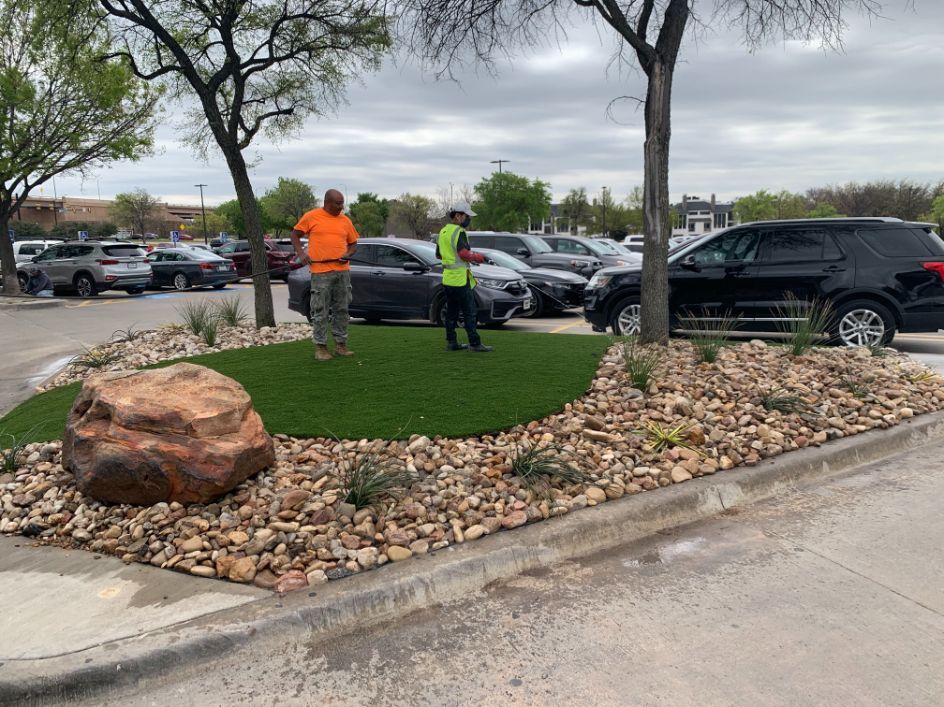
(36, 341)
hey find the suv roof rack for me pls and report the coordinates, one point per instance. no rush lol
(842, 219)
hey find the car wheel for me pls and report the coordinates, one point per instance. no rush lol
(863, 323)
(22, 279)
(625, 319)
(438, 310)
(220, 286)
(85, 285)
(537, 307)
(181, 281)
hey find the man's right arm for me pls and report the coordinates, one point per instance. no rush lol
(297, 245)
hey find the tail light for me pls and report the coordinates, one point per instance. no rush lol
(935, 267)
(206, 266)
(107, 261)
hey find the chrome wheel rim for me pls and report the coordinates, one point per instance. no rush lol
(180, 282)
(628, 320)
(861, 327)
(84, 287)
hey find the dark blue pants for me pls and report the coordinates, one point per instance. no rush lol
(461, 300)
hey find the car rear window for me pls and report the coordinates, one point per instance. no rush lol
(123, 251)
(897, 242)
(799, 245)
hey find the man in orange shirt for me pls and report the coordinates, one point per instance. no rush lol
(332, 240)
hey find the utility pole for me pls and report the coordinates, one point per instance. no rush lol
(206, 241)
(499, 163)
(604, 211)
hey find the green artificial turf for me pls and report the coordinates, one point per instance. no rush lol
(402, 381)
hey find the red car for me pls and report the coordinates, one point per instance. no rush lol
(278, 262)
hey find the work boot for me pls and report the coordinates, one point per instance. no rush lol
(321, 353)
(480, 348)
(340, 349)
(455, 346)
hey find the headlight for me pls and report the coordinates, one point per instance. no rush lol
(548, 283)
(621, 262)
(492, 284)
(598, 281)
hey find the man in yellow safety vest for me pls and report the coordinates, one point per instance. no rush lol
(452, 248)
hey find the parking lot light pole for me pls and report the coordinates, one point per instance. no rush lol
(604, 211)
(206, 241)
(499, 163)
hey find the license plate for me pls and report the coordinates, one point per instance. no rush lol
(222, 268)
(132, 266)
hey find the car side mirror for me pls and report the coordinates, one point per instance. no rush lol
(523, 251)
(414, 267)
(688, 262)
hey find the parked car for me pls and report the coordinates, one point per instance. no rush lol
(394, 278)
(24, 251)
(634, 243)
(592, 247)
(551, 290)
(181, 268)
(879, 275)
(621, 248)
(278, 262)
(90, 267)
(533, 251)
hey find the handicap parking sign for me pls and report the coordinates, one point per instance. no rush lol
(224, 236)
(175, 236)
(12, 234)
(83, 235)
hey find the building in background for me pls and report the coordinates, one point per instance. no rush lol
(695, 217)
(48, 212)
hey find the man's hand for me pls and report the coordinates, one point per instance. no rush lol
(303, 259)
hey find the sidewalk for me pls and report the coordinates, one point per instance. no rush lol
(84, 624)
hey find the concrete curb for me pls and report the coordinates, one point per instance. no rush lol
(27, 302)
(424, 581)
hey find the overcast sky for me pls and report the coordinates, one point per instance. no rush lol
(788, 116)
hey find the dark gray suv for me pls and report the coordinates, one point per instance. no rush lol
(608, 254)
(533, 251)
(395, 278)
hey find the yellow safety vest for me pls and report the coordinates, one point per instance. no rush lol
(456, 271)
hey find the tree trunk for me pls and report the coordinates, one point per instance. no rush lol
(11, 285)
(656, 226)
(265, 314)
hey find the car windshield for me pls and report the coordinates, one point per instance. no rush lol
(504, 260)
(603, 248)
(622, 249)
(536, 245)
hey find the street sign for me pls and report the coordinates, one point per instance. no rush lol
(12, 234)
(83, 235)
(174, 236)
(224, 236)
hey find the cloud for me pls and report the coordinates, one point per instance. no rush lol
(788, 116)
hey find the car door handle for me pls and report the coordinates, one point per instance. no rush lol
(377, 272)
(834, 268)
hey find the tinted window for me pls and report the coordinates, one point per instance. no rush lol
(50, 253)
(536, 245)
(481, 241)
(831, 249)
(155, 257)
(730, 247)
(573, 247)
(793, 246)
(895, 242)
(391, 257)
(604, 248)
(509, 245)
(79, 251)
(365, 255)
(123, 251)
(31, 249)
(228, 248)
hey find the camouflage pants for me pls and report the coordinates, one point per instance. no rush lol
(330, 297)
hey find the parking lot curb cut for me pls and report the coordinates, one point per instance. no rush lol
(340, 607)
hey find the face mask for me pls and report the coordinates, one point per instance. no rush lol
(466, 221)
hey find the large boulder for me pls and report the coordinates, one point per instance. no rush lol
(182, 433)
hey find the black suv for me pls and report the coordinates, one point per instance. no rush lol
(881, 275)
(533, 251)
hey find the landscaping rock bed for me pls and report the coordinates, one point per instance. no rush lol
(289, 526)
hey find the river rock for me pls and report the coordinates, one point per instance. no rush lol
(183, 433)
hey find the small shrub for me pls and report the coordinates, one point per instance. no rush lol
(877, 350)
(231, 311)
(538, 466)
(195, 315)
(641, 362)
(209, 332)
(921, 376)
(782, 401)
(371, 479)
(854, 383)
(661, 438)
(123, 335)
(708, 333)
(9, 456)
(93, 358)
(804, 322)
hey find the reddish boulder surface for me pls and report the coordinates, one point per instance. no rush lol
(183, 433)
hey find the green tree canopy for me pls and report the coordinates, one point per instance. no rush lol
(760, 206)
(137, 210)
(576, 207)
(27, 231)
(63, 107)
(284, 204)
(415, 213)
(233, 213)
(505, 201)
(369, 214)
(824, 211)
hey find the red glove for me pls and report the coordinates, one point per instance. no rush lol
(471, 257)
